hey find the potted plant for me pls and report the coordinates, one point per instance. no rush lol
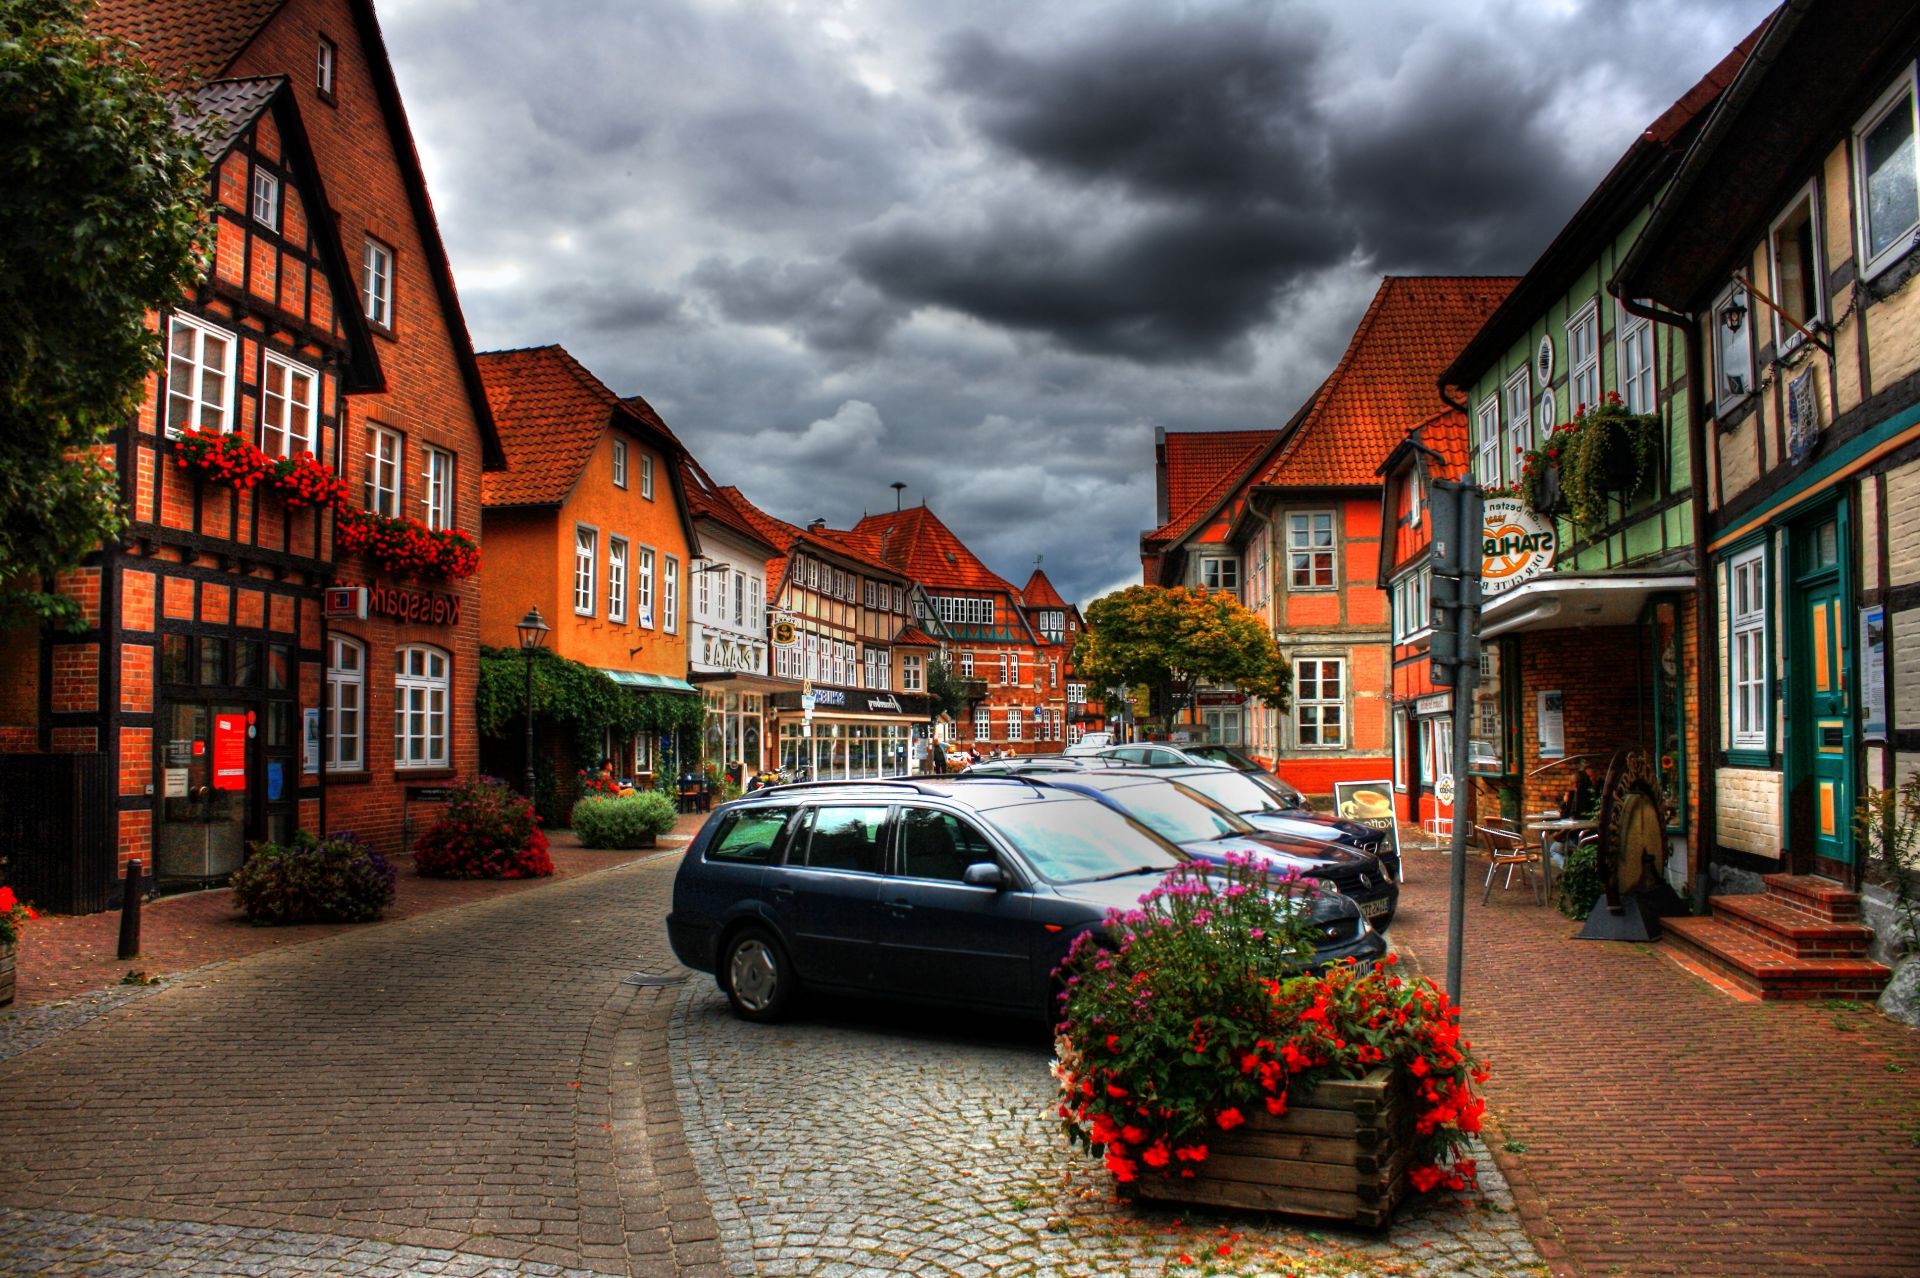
(1204, 1066)
(14, 913)
(1888, 824)
(1605, 450)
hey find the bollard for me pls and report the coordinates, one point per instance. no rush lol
(130, 913)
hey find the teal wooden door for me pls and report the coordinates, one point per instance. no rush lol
(1819, 690)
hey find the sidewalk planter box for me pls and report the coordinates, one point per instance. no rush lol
(1340, 1152)
(7, 950)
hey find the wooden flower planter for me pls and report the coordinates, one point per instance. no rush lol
(1340, 1152)
(7, 974)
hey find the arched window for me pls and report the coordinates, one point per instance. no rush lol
(419, 707)
(346, 722)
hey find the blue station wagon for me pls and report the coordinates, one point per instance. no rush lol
(964, 893)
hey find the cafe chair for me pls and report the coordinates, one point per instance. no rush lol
(1507, 850)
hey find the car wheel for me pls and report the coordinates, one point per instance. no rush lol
(759, 980)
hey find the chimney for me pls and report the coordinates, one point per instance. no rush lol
(817, 525)
(1160, 476)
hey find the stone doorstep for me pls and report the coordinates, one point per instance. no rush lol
(1767, 971)
(1824, 899)
(1792, 931)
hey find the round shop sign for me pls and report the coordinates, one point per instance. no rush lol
(1517, 546)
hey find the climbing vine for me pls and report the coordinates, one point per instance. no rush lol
(578, 699)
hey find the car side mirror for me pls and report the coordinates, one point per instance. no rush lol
(984, 874)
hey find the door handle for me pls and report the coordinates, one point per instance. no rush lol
(900, 908)
(783, 893)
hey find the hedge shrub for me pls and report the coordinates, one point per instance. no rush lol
(486, 832)
(339, 879)
(602, 821)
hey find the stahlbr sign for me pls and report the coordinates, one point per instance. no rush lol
(1517, 545)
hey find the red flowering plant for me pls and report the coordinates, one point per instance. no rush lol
(1192, 1013)
(1604, 449)
(305, 480)
(222, 456)
(13, 913)
(406, 547)
(485, 832)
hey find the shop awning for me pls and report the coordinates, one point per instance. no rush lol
(1561, 601)
(740, 681)
(649, 682)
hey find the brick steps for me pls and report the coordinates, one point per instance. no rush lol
(1799, 939)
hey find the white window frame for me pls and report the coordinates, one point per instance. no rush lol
(437, 492)
(1901, 240)
(1015, 721)
(619, 463)
(376, 282)
(264, 203)
(1412, 605)
(703, 591)
(1633, 338)
(911, 666)
(386, 463)
(1583, 360)
(966, 664)
(982, 723)
(419, 699)
(1519, 393)
(670, 594)
(278, 441)
(1311, 724)
(646, 474)
(643, 561)
(586, 556)
(1785, 336)
(1215, 571)
(1747, 667)
(1724, 396)
(326, 61)
(1313, 551)
(756, 606)
(1486, 453)
(616, 578)
(346, 701)
(196, 369)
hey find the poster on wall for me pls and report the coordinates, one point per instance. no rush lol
(230, 752)
(1873, 672)
(310, 742)
(1369, 803)
(1553, 727)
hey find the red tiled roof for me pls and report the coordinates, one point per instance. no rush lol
(551, 413)
(1704, 94)
(918, 544)
(1446, 434)
(1198, 459)
(707, 500)
(1039, 592)
(912, 636)
(778, 532)
(185, 38)
(1385, 381)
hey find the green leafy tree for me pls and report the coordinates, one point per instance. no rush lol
(1174, 641)
(103, 204)
(943, 690)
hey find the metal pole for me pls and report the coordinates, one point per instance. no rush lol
(1462, 798)
(529, 652)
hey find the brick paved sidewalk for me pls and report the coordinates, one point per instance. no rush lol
(66, 955)
(1650, 1124)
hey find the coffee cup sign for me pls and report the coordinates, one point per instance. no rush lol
(1516, 545)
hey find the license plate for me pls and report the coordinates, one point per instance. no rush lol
(1372, 909)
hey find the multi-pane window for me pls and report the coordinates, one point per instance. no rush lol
(1795, 252)
(670, 595)
(911, 667)
(1888, 180)
(1732, 347)
(740, 600)
(619, 463)
(964, 611)
(1014, 664)
(323, 68)
(438, 497)
(966, 665)
(199, 376)
(1486, 440)
(1320, 706)
(1411, 613)
(384, 455)
(1748, 596)
(755, 609)
(1219, 574)
(419, 707)
(289, 409)
(982, 724)
(646, 475)
(1310, 550)
(616, 579)
(346, 703)
(586, 550)
(376, 283)
(1636, 362)
(266, 199)
(1013, 722)
(1519, 416)
(643, 582)
(1583, 359)
(703, 591)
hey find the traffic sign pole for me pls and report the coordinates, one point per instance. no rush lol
(1458, 523)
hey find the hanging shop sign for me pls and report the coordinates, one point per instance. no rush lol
(851, 701)
(230, 752)
(1517, 545)
(1434, 703)
(421, 607)
(345, 603)
(785, 633)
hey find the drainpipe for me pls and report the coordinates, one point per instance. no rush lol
(1706, 630)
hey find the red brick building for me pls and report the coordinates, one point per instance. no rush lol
(229, 708)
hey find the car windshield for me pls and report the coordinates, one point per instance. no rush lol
(1222, 754)
(1073, 840)
(1235, 790)
(1178, 813)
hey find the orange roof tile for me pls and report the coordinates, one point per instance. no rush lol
(1039, 592)
(1446, 434)
(707, 500)
(1385, 381)
(778, 532)
(551, 413)
(1196, 460)
(917, 543)
(185, 38)
(912, 636)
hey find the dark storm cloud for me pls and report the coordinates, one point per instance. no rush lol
(818, 300)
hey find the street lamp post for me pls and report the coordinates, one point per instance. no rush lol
(533, 635)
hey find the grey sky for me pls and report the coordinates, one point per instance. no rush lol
(985, 248)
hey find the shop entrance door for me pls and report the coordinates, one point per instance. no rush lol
(206, 778)
(1820, 712)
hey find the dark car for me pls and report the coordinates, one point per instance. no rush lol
(1210, 831)
(1160, 754)
(943, 891)
(1243, 792)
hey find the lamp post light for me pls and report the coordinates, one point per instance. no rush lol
(533, 636)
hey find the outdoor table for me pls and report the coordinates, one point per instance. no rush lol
(1558, 825)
